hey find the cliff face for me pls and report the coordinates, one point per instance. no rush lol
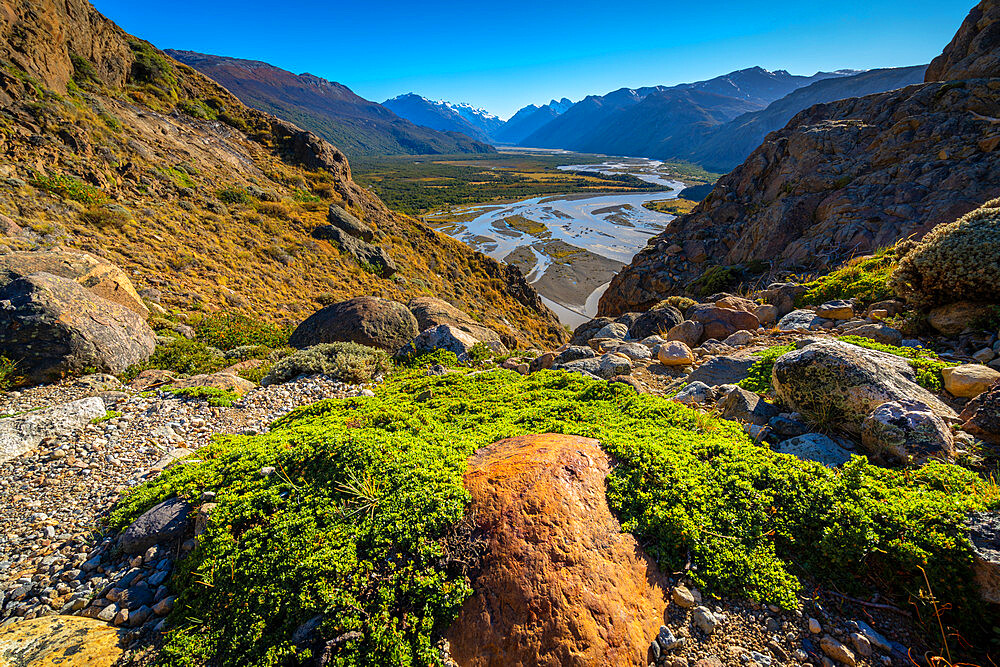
(975, 50)
(111, 146)
(841, 179)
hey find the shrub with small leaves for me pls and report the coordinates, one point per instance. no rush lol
(216, 397)
(181, 355)
(862, 278)
(347, 362)
(681, 303)
(758, 378)
(228, 331)
(956, 261)
(9, 377)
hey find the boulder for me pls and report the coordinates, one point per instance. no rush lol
(800, 320)
(430, 311)
(746, 407)
(151, 378)
(984, 534)
(349, 223)
(898, 432)
(164, 522)
(23, 433)
(583, 333)
(655, 322)
(53, 327)
(542, 362)
(981, 416)
(738, 339)
(836, 310)
(574, 589)
(371, 257)
(688, 332)
(722, 370)
(968, 380)
(782, 296)
(694, 393)
(839, 383)
(574, 353)
(613, 331)
(98, 275)
(675, 353)
(67, 641)
(880, 333)
(733, 302)
(367, 320)
(766, 313)
(441, 337)
(954, 318)
(815, 447)
(221, 380)
(613, 364)
(720, 323)
(634, 351)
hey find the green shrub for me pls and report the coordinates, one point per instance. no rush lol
(862, 278)
(758, 378)
(234, 195)
(425, 359)
(924, 362)
(347, 362)
(227, 331)
(352, 524)
(83, 70)
(181, 355)
(150, 67)
(957, 261)
(681, 303)
(69, 187)
(9, 377)
(714, 279)
(219, 398)
(198, 109)
(104, 217)
(479, 353)
(108, 416)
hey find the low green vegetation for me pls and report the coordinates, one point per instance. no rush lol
(758, 378)
(181, 355)
(353, 522)
(347, 362)
(227, 331)
(216, 397)
(69, 187)
(9, 377)
(925, 362)
(863, 278)
(108, 416)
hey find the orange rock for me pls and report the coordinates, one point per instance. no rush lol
(560, 584)
(68, 641)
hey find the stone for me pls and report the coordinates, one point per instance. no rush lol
(836, 382)
(984, 356)
(880, 333)
(666, 639)
(861, 644)
(574, 353)
(164, 606)
(634, 351)
(733, 302)
(97, 275)
(969, 380)
(615, 330)
(371, 257)
(746, 407)
(613, 364)
(974, 51)
(836, 310)
(441, 337)
(23, 433)
(656, 322)
(675, 353)
(576, 589)
(837, 651)
(542, 362)
(800, 320)
(766, 314)
(430, 311)
(688, 332)
(349, 223)
(788, 427)
(161, 523)
(815, 447)
(683, 597)
(814, 626)
(367, 320)
(984, 535)
(722, 370)
(694, 393)
(583, 333)
(54, 327)
(738, 339)
(902, 431)
(782, 296)
(704, 619)
(221, 380)
(981, 415)
(954, 318)
(151, 378)
(874, 638)
(68, 641)
(720, 323)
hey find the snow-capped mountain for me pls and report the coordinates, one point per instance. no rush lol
(446, 116)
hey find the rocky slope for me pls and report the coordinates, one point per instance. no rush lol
(841, 179)
(112, 147)
(332, 110)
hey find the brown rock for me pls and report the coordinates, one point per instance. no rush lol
(151, 378)
(688, 332)
(766, 314)
(975, 50)
(954, 318)
(367, 320)
(981, 416)
(68, 641)
(736, 303)
(675, 353)
(220, 380)
(720, 323)
(430, 311)
(837, 651)
(969, 380)
(560, 583)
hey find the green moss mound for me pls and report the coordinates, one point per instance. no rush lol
(925, 362)
(352, 522)
(957, 261)
(347, 362)
(758, 378)
(219, 398)
(863, 278)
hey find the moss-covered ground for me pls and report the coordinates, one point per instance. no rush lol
(352, 522)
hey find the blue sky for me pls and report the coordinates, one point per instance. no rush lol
(502, 56)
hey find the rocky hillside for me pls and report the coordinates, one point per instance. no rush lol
(841, 179)
(112, 147)
(330, 109)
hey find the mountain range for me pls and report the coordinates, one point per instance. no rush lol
(446, 116)
(355, 125)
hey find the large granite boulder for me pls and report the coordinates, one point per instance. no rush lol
(368, 320)
(905, 431)
(22, 433)
(349, 223)
(373, 258)
(559, 582)
(720, 323)
(441, 337)
(656, 321)
(431, 311)
(164, 522)
(67, 641)
(984, 534)
(583, 333)
(841, 384)
(99, 276)
(54, 327)
(969, 380)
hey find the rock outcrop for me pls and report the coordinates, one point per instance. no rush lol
(559, 584)
(841, 179)
(53, 327)
(368, 320)
(431, 311)
(22, 433)
(67, 641)
(975, 50)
